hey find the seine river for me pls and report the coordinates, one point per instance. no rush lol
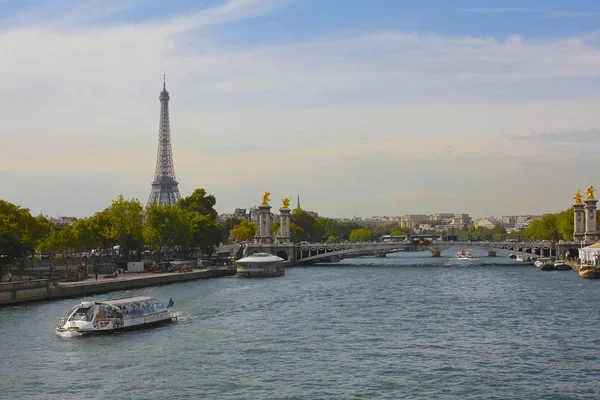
(404, 327)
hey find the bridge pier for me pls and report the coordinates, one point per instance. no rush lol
(491, 253)
(436, 252)
(381, 254)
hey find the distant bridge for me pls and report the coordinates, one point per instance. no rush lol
(308, 253)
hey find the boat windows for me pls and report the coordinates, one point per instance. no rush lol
(82, 314)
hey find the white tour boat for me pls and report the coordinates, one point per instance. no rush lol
(260, 265)
(522, 258)
(464, 255)
(114, 315)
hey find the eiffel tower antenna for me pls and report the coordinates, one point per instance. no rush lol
(165, 186)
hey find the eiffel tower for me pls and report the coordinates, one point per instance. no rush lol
(164, 186)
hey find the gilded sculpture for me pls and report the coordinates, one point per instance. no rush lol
(589, 193)
(285, 203)
(577, 197)
(266, 199)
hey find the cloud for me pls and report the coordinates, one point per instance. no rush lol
(544, 12)
(577, 137)
(334, 118)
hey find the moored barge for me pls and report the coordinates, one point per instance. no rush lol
(260, 265)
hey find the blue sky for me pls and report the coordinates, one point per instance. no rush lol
(365, 108)
(307, 18)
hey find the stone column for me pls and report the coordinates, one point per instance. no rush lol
(578, 222)
(263, 235)
(591, 231)
(285, 220)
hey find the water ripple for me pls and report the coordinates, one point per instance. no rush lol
(377, 329)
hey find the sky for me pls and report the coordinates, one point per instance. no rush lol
(360, 107)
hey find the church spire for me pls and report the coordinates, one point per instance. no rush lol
(298, 204)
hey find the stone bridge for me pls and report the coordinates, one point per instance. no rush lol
(308, 253)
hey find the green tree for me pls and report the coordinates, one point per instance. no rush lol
(306, 228)
(18, 223)
(201, 203)
(244, 231)
(228, 226)
(381, 231)
(553, 227)
(498, 233)
(167, 228)
(206, 234)
(275, 228)
(125, 224)
(346, 228)
(361, 235)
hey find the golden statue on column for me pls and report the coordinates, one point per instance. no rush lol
(589, 193)
(285, 203)
(266, 199)
(577, 197)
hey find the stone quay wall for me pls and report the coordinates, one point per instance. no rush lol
(41, 289)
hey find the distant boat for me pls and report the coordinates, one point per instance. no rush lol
(589, 272)
(522, 258)
(544, 264)
(464, 255)
(560, 265)
(590, 261)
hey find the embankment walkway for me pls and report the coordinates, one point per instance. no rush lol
(41, 289)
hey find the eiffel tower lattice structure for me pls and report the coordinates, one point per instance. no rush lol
(164, 186)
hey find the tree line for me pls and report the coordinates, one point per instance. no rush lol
(307, 228)
(191, 226)
(188, 227)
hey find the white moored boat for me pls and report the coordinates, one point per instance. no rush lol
(114, 315)
(260, 265)
(464, 255)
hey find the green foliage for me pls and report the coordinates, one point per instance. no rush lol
(13, 249)
(201, 203)
(167, 228)
(306, 228)
(229, 224)
(361, 235)
(244, 231)
(381, 231)
(397, 231)
(553, 227)
(205, 233)
(275, 228)
(188, 226)
(125, 217)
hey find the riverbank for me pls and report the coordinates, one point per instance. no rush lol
(41, 289)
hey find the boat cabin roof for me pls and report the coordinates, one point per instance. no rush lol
(129, 300)
(260, 258)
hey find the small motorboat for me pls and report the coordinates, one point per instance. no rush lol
(464, 255)
(560, 265)
(544, 264)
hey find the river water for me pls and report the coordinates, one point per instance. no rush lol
(404, 327)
